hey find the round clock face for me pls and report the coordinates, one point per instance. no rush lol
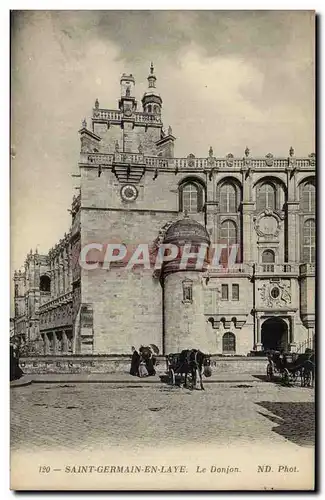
(129, 192)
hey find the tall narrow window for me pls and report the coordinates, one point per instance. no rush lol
(191, 197)
(308, 198)
(265, 197)
(228, 237)
(229, 343)
(187, 291)
(235, 291)
(228, 233)
(309, 241)
(224, 292)
(228, 198)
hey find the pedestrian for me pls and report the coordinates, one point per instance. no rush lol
(135, 362)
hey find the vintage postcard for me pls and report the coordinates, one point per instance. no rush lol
(162, 332)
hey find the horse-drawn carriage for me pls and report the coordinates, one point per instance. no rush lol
(187, 366)
(292, 367)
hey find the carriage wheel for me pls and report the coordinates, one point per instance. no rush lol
(294, 376)
(269, 372)
(171, 376)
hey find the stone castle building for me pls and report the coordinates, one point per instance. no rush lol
(134, 191)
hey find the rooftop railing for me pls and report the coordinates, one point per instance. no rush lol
(58, 301)
(202, 163)
(268, 268)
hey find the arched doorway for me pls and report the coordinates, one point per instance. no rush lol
(229, 343)
(274, 334)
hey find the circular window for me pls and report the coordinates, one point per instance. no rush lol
(275, 292)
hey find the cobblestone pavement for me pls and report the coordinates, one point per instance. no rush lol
(93, 416)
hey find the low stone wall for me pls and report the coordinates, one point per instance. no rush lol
(121, 364)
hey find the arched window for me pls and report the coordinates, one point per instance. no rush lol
(191, 197)
(45, 284)
(268, 257)
(228, 233)
(229, 343)
(149, 108)
(266, 197)
(308, 197)
(228, 198)
(309, 241)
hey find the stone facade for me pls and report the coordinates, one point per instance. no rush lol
(132, 189)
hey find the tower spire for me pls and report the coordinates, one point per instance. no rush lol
(152, 78)
(151, 100)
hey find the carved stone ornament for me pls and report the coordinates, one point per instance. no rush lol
(312, 159)
(269, 160)
(127, 111)
(276, 294)
(268, 223)
(191, 160)
(292, 162)
(230, 159)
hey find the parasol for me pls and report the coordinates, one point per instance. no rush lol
(154, 349)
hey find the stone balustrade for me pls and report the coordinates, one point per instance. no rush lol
(114, 115)
(203, 163)
(58, 301)
(234, 269)
(132, 158)
(147, 118)
(101, 159)
(107, 114)
(278, 269)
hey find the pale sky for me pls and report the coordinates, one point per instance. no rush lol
(227, 79)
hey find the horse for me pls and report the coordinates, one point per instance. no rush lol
(194, 362)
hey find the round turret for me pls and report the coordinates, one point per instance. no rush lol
(184, 321)
(187, 231)
(190, 237)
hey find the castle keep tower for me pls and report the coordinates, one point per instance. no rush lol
(134, 191)
(184, 321)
